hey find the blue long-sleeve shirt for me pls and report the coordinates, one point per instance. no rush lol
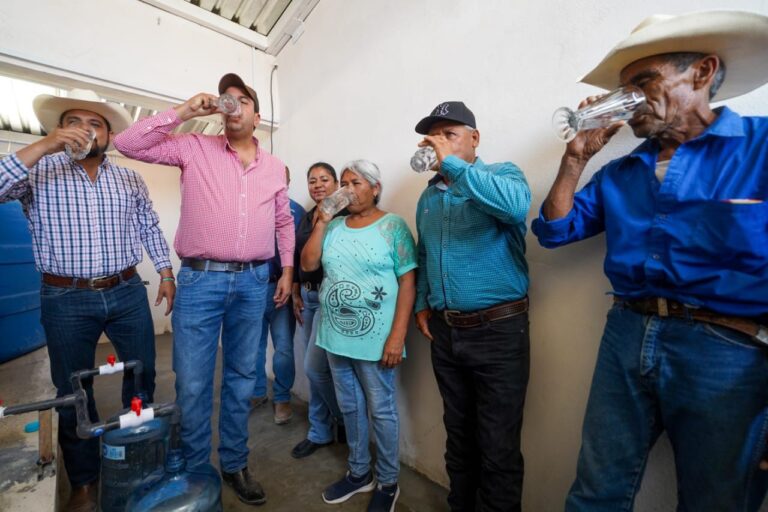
(472, 237)
(700, 236)
(275, 265)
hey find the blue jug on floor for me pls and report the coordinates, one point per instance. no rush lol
(179, 490)
(131, 456)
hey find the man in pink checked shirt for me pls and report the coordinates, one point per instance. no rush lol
(234, 203)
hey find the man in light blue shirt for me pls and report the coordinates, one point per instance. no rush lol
(471, 303)
(686, 224)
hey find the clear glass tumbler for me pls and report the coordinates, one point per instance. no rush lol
(617, 105)
(337, 201)
(424, 159)
(78, 153)
(228, 104)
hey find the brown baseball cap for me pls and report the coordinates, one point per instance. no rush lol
(233, 80)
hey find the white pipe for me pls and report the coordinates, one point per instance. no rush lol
(131, 419)
(107, 369)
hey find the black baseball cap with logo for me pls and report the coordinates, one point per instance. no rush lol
(232, 80)
(455, 111)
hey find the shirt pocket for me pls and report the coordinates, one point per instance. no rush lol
(733, 233)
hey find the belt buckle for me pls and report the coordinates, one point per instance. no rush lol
(240, 266)
(762, 334)
(307, 286)
(447, 313)
(662, 307)
(92, 281)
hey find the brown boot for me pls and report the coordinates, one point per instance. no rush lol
(83, 498)
(283, 413)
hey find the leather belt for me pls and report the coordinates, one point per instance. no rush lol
(94, 283)
(476, 318)
(220, 266)
(310, 286)
(671, 308)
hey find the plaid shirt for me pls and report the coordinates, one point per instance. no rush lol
(82, 228)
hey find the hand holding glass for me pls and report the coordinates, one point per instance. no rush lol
(424, 159)
(78, 153)
(617, 105)
(337, 201)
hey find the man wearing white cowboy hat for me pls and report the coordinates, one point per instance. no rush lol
(89, 219)
(234, 203)
(685, 216)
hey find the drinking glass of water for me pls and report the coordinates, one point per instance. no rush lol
(78, 153)
(228, 104)
(617, 105)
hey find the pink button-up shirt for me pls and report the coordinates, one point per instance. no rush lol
(228, 213)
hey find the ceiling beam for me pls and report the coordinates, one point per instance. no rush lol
(212, 21)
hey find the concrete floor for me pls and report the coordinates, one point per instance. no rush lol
(290, 484)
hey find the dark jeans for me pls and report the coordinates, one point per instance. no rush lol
(705, 385)
(73, 321)
(482, 374)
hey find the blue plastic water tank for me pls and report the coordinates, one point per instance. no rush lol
(20, 329)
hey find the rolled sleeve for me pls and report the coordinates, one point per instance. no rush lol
(553, 233)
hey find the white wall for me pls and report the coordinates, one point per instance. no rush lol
(355, 85)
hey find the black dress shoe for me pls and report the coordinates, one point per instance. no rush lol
(247, 489)
(306, 448)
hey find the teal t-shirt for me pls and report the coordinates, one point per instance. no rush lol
(359, 292)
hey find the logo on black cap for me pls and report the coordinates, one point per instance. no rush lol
(441, 110)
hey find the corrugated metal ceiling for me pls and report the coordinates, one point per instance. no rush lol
(16, 114)
(257, 15)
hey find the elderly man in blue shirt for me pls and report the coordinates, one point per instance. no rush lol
(471, 303)
(686, 223)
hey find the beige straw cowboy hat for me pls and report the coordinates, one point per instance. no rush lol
(48, 109)
(739, 38)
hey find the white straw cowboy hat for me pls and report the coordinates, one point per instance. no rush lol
(739, 38)
(48, 109)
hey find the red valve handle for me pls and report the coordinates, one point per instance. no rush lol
(136, 405)
(111, 359)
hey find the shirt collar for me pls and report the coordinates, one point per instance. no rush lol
(227, 145)
(727, 124)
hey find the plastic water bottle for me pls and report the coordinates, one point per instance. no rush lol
(80, 153)
(424, 159)
(337, 201)
(130, 456)
(179, 490)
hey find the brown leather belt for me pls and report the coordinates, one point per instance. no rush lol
(671, 308)
(95, 283)
(478, 318)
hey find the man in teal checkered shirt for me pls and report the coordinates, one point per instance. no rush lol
(471, 303)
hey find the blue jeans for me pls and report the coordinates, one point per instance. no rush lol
(73, 320)
(707, 386)
(282, 325)
(208, 304)
(323, 406)
(363, 387)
